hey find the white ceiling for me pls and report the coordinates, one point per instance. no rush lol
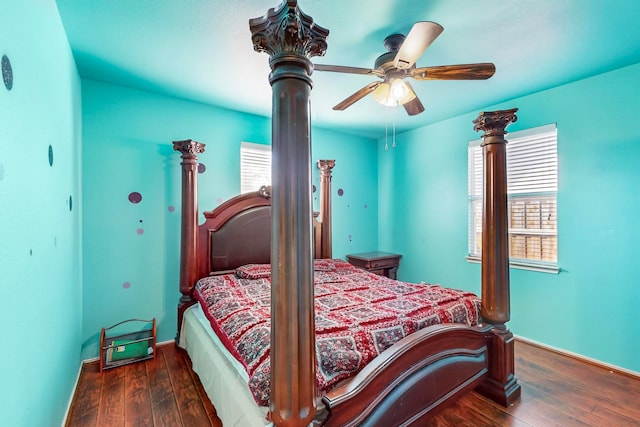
(201, 50)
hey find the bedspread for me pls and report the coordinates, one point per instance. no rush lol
(358, 315)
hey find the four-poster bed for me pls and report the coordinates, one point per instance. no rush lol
(409, 380)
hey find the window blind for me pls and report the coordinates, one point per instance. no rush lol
(255, 166)
(532, 185)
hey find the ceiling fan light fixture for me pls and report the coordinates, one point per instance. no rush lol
(381, 94)
(393, 94)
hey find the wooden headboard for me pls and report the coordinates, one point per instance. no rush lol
(237, 232)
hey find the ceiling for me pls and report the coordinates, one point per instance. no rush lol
(201, 50)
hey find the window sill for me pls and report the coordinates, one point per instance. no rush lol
(522, 265)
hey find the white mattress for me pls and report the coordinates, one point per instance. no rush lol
(223, 377)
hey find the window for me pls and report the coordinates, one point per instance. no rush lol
(532, 187)
(255, 166)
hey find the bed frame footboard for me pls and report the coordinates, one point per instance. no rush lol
(413, 378)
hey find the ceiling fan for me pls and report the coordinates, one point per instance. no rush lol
(399, 62)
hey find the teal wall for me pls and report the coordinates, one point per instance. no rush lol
(131, 250)
(40, 256)
(590, 306)
(77, 254)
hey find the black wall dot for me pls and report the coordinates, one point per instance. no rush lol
(70, 203)
(201, 168)
(340, 192)
(313, 187)
(7, 72)
(50, 156)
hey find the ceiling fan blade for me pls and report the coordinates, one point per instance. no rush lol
(480, 71)
(414, 106)
(422, 34)
(357, 96)
(348, 70)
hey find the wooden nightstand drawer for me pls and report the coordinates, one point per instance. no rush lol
(381, 263)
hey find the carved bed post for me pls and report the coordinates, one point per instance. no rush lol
(189, 222)
(501, 385)
(325, 167)
(290, 37)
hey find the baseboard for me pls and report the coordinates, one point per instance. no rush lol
(73, 393)
(595, 362)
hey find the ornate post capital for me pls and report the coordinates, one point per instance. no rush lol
(287, 30)
(188, 147)
(494, 123)
(325, 166)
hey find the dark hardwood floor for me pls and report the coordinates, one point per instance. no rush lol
(162, 391)
(557, 390)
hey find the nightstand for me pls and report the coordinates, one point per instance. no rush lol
(380, 263)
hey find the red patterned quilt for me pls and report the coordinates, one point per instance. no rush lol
(358, 315)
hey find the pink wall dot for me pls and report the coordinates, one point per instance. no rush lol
(126, 285)
(171, 209)
(135, 197)
(140, 231)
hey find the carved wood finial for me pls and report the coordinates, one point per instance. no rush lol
(494, 123)
(325, 166)
(288, 30)
(188, 147)
(265, 191)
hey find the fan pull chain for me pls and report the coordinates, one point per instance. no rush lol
(394, 128)
(386, 135)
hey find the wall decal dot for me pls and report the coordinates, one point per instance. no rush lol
(313, 188)
(7, 72)
(140, 231)
(340, 192)
(30, 251)
(141, 221)
(201, 168)
(126, 285)
(50, 155)
(219, 200)
(349, 237)
(70, 203)
(135, 197)
(1, 171)
(171, 209)
(365, 206)
(55, 241)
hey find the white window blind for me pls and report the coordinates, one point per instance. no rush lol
(255, 166)
(532, 186)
